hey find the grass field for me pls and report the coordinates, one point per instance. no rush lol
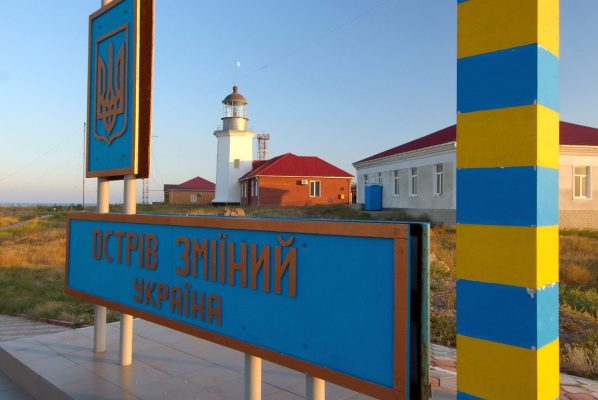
(32, 252)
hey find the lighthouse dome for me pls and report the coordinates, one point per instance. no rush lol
(235, 97)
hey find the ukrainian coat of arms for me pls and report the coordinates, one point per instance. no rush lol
(110, 120)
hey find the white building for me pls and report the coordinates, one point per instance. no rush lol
(419, 177)
(235, 149)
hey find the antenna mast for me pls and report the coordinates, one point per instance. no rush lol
(262, 145)
(145, 198)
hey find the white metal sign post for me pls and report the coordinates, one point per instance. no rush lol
(119, 120)
(99, 322)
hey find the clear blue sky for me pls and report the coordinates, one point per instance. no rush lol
(340, 79)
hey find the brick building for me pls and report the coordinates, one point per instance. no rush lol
(194, 191)
(291, 180)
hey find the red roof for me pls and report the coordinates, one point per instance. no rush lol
(442, 136)
(578, 135)
(196, 183)
(290, 164)
(570, 134)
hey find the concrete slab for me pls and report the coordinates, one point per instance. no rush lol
(167, 365)
(173, 365)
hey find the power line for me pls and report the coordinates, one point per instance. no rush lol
(319, 37)
(29, 163)
(298, 48)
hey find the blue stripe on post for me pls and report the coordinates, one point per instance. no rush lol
(508, 78)
(507, 314)
(514, 196)
(548, 79)
(465, 396)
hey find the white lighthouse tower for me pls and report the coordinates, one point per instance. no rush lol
(235, 149)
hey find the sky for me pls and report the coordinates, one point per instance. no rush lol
(338, 79)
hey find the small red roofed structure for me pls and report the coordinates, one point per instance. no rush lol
(194, 191)
(292, 180)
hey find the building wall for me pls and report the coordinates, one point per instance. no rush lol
(578, 213)
(425, 198)
(578, 219)
(574, 212)
(436, 217)
(569, 158)
(185, 197)
(288, 191)
(234, 159)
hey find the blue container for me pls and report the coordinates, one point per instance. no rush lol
(373, 198)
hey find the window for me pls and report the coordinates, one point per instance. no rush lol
(365, 179)
(380, 178)
(439, 179)
(236, 163)
(413, 182)
(581, 183)
(396, 182)
(314, 188)
(255, 188)
(244, 189)
(193, 198)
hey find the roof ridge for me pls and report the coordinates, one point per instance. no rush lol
(274, 161)
(569, 134)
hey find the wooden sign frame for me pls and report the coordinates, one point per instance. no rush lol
(408, 263)
(135, 97)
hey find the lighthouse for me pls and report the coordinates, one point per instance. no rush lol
(235, 149)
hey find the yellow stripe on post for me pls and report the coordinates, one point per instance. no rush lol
(509, 255)
(492, 370)
(489, 25)
(506, 132)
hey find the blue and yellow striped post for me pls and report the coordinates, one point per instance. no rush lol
(507, 199)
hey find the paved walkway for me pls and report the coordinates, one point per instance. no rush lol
(12, 328)
(173, 365)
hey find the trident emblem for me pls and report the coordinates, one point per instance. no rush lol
(110, 93)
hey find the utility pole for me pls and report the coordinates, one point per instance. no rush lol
(83, 163)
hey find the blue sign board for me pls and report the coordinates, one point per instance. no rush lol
(332, 299)
(119, 89)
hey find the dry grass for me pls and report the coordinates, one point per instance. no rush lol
(578, 297)
(580, 361)
(579, 259)
(5, 221)
(442, 286)
(38, 243)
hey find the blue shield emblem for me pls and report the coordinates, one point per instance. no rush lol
(110, 118)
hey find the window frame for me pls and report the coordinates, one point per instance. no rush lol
(437, 176)
(413, 181)
(588, 180)
(397, 183)
(312, 185)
